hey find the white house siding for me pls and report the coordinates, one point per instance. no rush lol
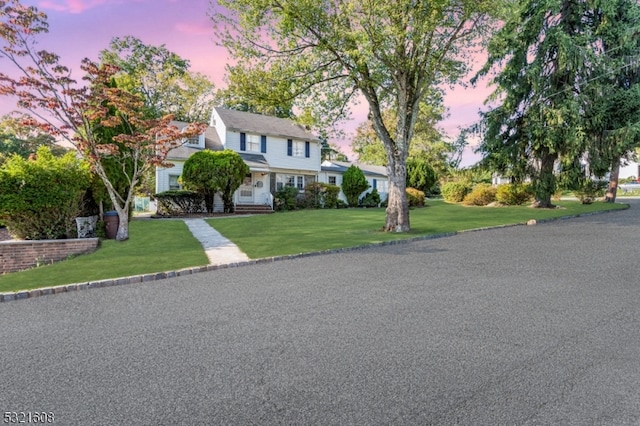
(163, 174)
(630, 170)
(221, 129)
(276, 154)
(381, 183)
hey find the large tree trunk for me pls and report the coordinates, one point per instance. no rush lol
(123, 225)
(545, 184)
(612, 189)
(397, 205)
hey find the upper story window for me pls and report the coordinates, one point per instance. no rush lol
(253, 143)
(298, 149)
(194, 140)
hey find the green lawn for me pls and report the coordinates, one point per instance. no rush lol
(153, 246)
(166, 245)
(313, 230)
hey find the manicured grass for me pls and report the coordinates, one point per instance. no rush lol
(165, 245)
(153, 246)
(313, 230)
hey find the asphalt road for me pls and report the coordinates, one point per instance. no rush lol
(523, 325)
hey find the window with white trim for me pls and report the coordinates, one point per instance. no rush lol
(332, 180)
(174, 184)
(298, 149)
(296, 181)
(253, 143)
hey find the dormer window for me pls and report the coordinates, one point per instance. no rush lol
(194, 140)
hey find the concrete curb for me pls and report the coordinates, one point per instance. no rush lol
(27, 294)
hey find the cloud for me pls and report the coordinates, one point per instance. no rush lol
(194, 28)
(71, 6)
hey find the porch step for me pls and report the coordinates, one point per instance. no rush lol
(253, 209)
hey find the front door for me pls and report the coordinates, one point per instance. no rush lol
(246, 190)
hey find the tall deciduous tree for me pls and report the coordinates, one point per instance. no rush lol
(63, 108)
(162, 78)
(428, 142)
(211, 172)
(392, 53)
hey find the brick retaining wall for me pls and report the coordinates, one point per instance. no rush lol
(20, 255)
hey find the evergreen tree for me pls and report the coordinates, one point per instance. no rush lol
(354, 183)
(547, 52)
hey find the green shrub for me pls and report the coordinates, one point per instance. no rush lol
(40, 197)
(371, 199)
(341, 204)
(177, 203)
(415, 197)
(454, 192)
(420, 175)
(286, 199)
(331, 193)
(514, 194)
(590, 190)
(320, 195)
(481, 195)
(354, 183)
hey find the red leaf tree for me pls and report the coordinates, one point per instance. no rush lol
(79, 113)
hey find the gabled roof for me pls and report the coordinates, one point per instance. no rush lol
(342, 166)
(241, 121)
(211, 141)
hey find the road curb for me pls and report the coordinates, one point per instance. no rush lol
(144, 278)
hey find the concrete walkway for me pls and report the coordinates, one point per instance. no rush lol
(219, 250)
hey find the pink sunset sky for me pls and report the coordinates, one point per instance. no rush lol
(82, 28)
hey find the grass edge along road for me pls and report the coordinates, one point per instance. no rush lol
(165, 245)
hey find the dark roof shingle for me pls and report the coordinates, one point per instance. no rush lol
(241, 121)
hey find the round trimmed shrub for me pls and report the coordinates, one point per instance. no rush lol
(454, 192)
(514, 194)
(481, 195)
(415, 197)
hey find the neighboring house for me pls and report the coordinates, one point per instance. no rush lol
(332, 171)
(629, 170)
(278, 152)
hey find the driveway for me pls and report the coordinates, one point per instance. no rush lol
(522, 325)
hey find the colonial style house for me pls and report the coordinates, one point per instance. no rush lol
(278, 152)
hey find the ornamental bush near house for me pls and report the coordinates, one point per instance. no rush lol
(354, 183)
(178, 203)
(331, 193)
(370, 199)
(415, 197)
(41, 197)
(514, 194)
(319, 195)
(454, 192)
(481, 195)
(210, 172)
(286, 199)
